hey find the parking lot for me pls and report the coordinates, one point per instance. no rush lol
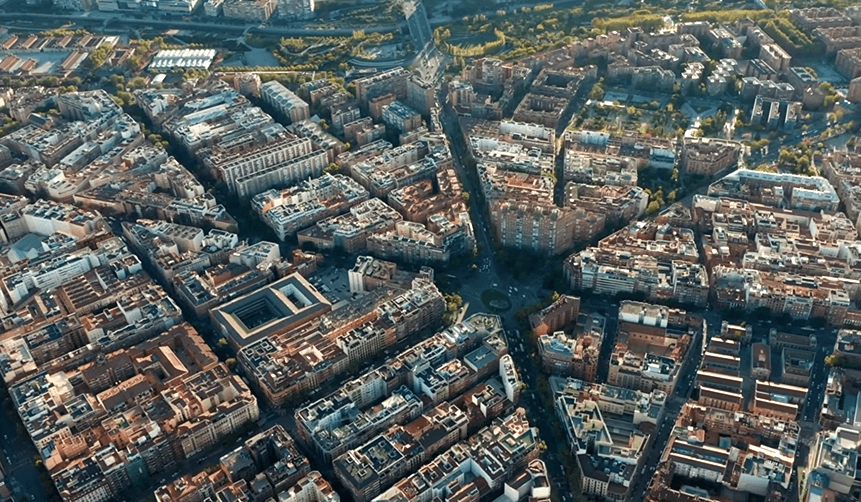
(332, 283)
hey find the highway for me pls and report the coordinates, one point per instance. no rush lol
(180, 24)
(227, 26)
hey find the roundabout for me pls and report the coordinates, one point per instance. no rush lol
(495, 300)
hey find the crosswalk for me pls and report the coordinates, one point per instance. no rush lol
(14, 461)
(20, 464)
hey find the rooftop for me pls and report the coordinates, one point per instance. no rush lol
(282, 305)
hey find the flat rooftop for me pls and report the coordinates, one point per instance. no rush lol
(278, 307)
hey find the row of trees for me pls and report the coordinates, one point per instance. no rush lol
(724, 16)
(9, 126)
(649, 22)
(788, 36)
(476, 50)
(836, 361)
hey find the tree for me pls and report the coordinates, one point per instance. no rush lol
(597, 91)
(465, 196)
(126, 97)
(99, 56)
(138, 83)
(803, 164)
(222, 342)
(332, 168)
(653, 207)
(453, 302)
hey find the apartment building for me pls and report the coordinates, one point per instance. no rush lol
(608, 461)
(383, 174)
(392, 82)
(757, 469)
(297, 9)
(445, 472)
(854, 94)
(838, 38)
(582, 167)
(371, 468)
(618, 204)
(249, 10)
(541, 109)
(659, 153)
(543, 228)
(371, 273)
(133, 410)
(350, 231)
(409, 242)
(830, 456)
(247, 83)
(810, 193)
(574, 355)
(707, 156)
(289, 363)
(819, 17)
(504, 185)
(659, 261)
(650, 346)
(843, 171)
(337, 423)
(284, 101)
(775, 56)
(267, 464)
(495, 74)
(401, 117)
(555, 316)
(354, 414)
(279, 160)
(293, 209)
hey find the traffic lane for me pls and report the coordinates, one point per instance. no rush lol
(18, 457)
(197, 25)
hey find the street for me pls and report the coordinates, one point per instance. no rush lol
(528, 293)
(17, 460)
